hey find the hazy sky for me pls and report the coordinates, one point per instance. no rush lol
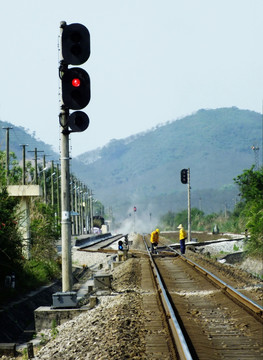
(151, 61)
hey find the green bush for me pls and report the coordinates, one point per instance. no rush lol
(10, 239)
(40, 272)
(254, 214)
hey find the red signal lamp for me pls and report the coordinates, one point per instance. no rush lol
(75, 88)
(76, 82)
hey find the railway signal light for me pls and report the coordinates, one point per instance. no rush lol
(78, 121)
(75, 41)
(120, 245)
(75, 44)
(184, 174)
(76, 88)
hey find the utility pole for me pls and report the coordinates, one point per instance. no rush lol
(185, 179)
(81, 209)
(58, 192)
(44, 179)
(91, 210)
(76, 209)
(7, 153)
(72, 205)
(255, 148)
(52, 183)
(24, 163)
(86, 208)
(134, 213)
(36, 173)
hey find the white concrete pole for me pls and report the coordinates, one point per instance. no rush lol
(65, 214)
(67, 281)
(189, 206)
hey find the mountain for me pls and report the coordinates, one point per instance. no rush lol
(19, 136)
(144, 170)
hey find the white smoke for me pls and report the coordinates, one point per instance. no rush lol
(138, 221)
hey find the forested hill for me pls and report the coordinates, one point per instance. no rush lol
(20, 136)
(144, 169)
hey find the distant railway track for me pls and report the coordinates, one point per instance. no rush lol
(208, 318)
(102, 243)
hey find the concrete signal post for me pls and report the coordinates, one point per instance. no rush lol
(185, 179)
(75, 95)
(189, 207)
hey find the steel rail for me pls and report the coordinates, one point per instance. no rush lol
(110, 239)
(114, 239)
(181, 344)
(234, 293)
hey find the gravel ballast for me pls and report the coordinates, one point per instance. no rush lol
(116, 328)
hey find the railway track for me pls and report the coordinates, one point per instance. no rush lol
(164, 308)
(208, 318)
(98, 244)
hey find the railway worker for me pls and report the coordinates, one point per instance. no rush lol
(155, 240)
(182, 238)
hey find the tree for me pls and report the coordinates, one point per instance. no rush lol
(251, 191)
(28, 273)
(250, 184)
(44, 232)
(15, 171)
(254, 212)
(10, 240)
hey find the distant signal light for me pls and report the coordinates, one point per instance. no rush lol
(184, 175)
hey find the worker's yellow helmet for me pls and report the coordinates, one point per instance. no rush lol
(158, 230)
